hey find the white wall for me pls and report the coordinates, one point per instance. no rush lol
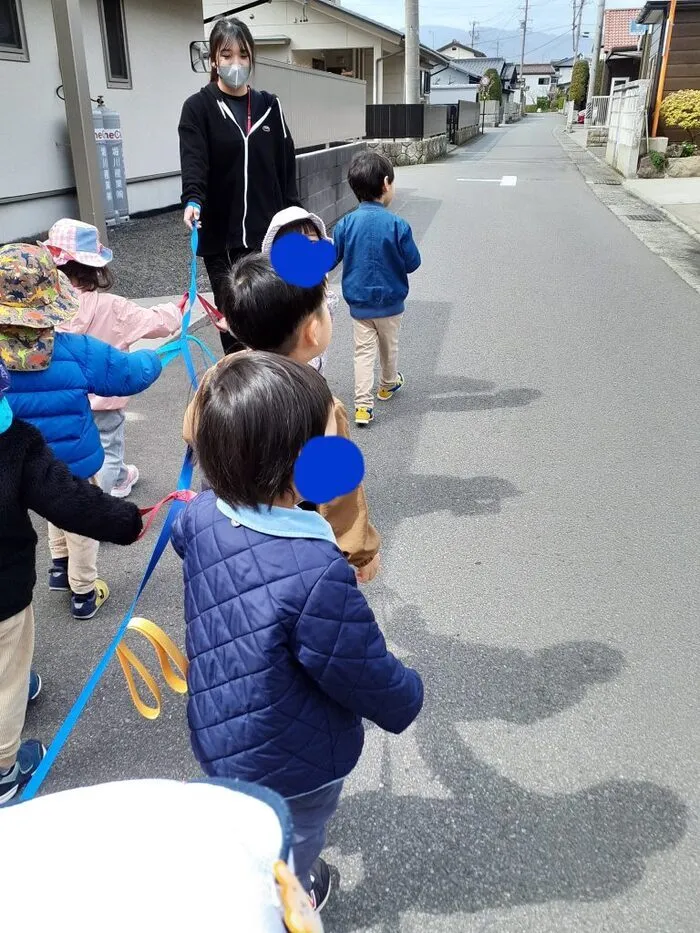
(34, 151)
(451, 94)
(533, 89)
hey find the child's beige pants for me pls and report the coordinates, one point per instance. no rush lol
(82, 558)
(370, 333)
(16, 650)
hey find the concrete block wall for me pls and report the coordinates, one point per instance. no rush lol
(322, 181)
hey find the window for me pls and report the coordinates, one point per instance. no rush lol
(13, 42)
(114, 44)
(543, 81)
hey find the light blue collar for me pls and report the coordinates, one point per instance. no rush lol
(279, 522)
(5, 415)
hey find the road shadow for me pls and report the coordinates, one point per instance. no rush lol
(494, 843)
(426, 494)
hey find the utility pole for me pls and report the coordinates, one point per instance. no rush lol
(475, 34)
(498, 47)
(597, 42)
(70, 43)
(577, 25)
(522, 54)
(412, 55)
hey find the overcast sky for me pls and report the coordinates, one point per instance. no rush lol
(550, 15)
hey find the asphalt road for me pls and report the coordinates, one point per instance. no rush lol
(536, 487)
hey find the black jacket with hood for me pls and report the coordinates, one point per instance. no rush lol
(240, 181)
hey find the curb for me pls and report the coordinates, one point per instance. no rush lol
(667, 214)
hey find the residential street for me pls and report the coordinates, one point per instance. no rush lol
(536, 486)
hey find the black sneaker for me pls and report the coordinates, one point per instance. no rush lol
(58, 575)
(320, 875)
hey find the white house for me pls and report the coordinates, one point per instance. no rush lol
(457, 50)
(137, 59)
(323, 35)
(539, 80)
(453, 83)
(564, 68)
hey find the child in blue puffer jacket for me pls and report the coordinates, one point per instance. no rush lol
(285, 656)
(53, 375)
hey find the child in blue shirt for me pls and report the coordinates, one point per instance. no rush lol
(378, 253)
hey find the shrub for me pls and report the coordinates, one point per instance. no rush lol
(658, 160)
(682, 109)
(543, 103)
(557, 103)
(579, 82)
(688, 149)
(494, 89)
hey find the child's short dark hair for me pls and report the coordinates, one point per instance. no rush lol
(255, 413)
(367, 173)
(264, 311)
(88, 278)
(305, 227)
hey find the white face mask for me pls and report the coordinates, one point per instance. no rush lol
(234, 76)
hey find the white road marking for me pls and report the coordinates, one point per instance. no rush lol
(507, 181)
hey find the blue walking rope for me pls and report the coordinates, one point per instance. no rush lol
(184, 482)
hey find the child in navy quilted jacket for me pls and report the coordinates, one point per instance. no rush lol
(286, 658)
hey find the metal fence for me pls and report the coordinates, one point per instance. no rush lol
(405, 121)
(598, 111)
(469, 114)
(319, 107)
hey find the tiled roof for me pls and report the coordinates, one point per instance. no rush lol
(544, 68)
(616, 29)
(478, 66)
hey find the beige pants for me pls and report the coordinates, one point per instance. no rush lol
(16, 650)
(82, 558)
(370, 332)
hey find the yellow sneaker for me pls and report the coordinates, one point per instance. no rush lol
(363, 416)
(385, 394)
(85, 606)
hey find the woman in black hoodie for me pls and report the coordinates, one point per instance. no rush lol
(237, 158)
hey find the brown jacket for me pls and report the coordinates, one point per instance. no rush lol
(348, 515)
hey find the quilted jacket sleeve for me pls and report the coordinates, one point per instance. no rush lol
(339, 644)
(113, 372)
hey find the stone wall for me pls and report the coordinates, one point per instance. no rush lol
(411, 151)
(597, 136)
(322, 181)
(465, 134)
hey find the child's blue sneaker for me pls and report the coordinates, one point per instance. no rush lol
(34, 686)
(58, 575)
(85, 605)
(28, 760)
(385, 393)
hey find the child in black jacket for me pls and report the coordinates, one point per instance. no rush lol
(32, 478)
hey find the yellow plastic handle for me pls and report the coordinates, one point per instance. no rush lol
(173, 665)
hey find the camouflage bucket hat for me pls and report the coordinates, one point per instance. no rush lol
(33, 292)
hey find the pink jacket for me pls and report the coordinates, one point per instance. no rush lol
(121, 323)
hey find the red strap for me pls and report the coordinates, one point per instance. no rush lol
(214, 315)
(180, 495)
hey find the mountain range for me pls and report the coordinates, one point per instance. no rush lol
(505, 43)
